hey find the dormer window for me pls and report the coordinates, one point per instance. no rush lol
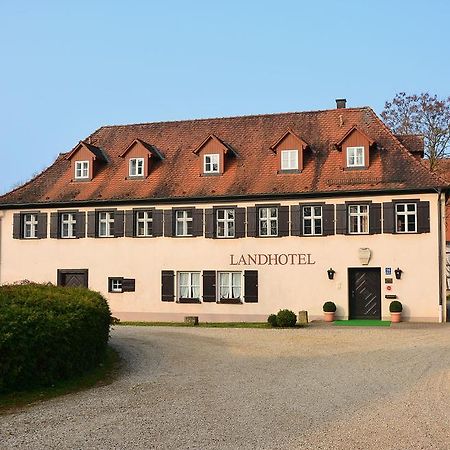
(136, 167)
(289, 159)
(81, 170)
(215, 156)
(355, 157)
(289, 149)
(357, 149)
(211, 163)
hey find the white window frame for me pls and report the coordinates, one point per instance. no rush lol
(356, 157)
(268, 220)
(81, 170)
(107, 218)
(313, 217)
(229, 224)
(116, 284)
(359, 216)
(191, 285)
(182, 218)
(136, 167)
(230, 284)
(30, 220)
(145, 218)
(291, 162)
(406, 213)
(211, 163)
(70, 221)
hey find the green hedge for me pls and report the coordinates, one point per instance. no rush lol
(49, 333)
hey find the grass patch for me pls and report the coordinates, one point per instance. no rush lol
(362, 323)
(203, 324)
(102, 375)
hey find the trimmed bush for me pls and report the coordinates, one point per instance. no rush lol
(286, 318)
(395, 307)
(329, 307)
(49, 333)
(272, 320)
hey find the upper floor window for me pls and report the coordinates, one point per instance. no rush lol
(312, 220)
(68, 223)
(289, 159)
(136, 167)
(211, 163)
(105, 224)
(355, 157)
(81, 170)
(183, 222)
(30, 222)
(268, 221)
(358, 219)
(229, 285)
(225, 223)
(144, 223)
(406, 217)
(189, 285)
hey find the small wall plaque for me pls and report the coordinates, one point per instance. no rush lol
(390, 296)
(388, 270)
(388, 280)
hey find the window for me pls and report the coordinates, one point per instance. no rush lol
(358, 219)
(120, 284)
(189, 284)
(289, 160)
(136, 168)
(105, 224)
(68, 222)
(225, 223)
(115, 284)
(144, 223)
(312, 220)
(268, 221)
(211, 163)
(406, 217)
(355, 157)
(229, 285)
(183, 224)
(81, 170)
(30, 222)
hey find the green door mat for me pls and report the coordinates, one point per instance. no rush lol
(362, 323)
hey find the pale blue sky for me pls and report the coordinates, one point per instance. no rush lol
(69, 67)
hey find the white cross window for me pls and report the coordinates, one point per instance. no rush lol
(183, 225)
(30, 222)
(406, 217)
(81, 170)
(225, 223)
(229, 285)
(144, 223)
(312, 220)
(289, 159)
(358, 219)
(105, 224)
(136, 167)
(189, 284)
(355, 157)
(68, 222)
(211, 163)
(268, 221)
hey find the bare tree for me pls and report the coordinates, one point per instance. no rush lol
(423, 114)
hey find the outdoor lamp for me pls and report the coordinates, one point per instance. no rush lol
(330, 273)
(398, 273)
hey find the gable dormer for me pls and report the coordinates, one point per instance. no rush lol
(139, 157)
(289, 149)
(85, 159)
(355, 146)
(213, 153)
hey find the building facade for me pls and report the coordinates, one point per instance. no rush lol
(232, 219)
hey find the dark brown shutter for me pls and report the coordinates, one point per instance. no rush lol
(209, 286)
(54, 225)
(251, 286)
(128, 285)
(423, 217)
(157, 222)
(328, 220)
(168, 222)
(209, 223)
(239, 222)
(118, 223)
(388, 218)
(129, 223)
(17, 226)
(80, 225)
(283, 221)
(375, 218)
(295, 220)
(42, 225)
(92, 223)
(167, 286)
(341, 219)
(251, 221)
(197, 222)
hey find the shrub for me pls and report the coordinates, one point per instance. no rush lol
(49, 333)
(329, 307)
(272, 320)
(395, 307)
(286, 318)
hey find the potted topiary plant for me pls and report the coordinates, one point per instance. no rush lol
(396, 308)
(329, 308)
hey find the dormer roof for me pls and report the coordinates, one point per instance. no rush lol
(352, 130)
(300, 141)
(97, 152)
(154, 152)
(226, 147)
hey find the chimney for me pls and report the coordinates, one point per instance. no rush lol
(341, 103)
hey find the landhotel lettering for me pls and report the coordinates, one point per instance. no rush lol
(272, 259)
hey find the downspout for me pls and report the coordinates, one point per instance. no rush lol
(441, 266)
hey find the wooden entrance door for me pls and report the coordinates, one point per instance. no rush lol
(73, 277)
(364, 293)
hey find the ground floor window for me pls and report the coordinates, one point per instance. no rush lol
(229, 285)
(115, 284)
(189, 284)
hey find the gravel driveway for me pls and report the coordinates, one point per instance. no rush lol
(197, 388)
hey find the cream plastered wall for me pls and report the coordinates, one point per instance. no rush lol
(297, 287)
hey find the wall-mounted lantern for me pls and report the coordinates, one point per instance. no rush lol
(398, 273)
(331, 273)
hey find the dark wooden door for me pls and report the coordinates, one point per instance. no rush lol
(73, 278)
(364, 293)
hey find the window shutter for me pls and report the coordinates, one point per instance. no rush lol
(295, 220)
(91, 228)
(209, 223)
(128, 285)
(42, 225)
(423, 217)
(17, 226)
(54, 225)
(80, 225)
(375, 218)
(168, 223)
(239, 222)
(197, 222)
(118, 223)
(341, 219)
(328, 220)
(388, 218)
(251, 286)
(157, 223)
(129, 223)
(283, 221)
(209, 286)
(251, 221)
(167, 286)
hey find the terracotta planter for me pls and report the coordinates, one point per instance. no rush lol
(328, 316)
(396, 317)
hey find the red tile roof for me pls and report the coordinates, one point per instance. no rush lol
(253, 172)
